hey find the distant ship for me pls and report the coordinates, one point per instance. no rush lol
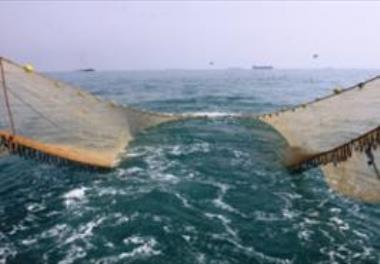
(87, 70)
(262, 67)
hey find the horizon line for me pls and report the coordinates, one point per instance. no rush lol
(205, 69)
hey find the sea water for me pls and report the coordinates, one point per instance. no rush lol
(197, 191)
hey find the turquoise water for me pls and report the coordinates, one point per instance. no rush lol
(200, 191)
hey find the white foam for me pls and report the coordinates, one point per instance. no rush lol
(75, 253)
(133, 170)
(266, 217)
(360, 234)
(178, 150)
(35, 207)
(310, 221)
(6, 251)
(210, 114)
(74, 196)
(134, 155)
(183, 200)
(18, 227)
(327, 235)
(84, 231)
(238, 154)
(288, 214)
(225, 222)
(335, 210)
(110, 245)
(111, 191)
(122, 220)
(158, 166)
(125, 173)
(304, 235)
(167, 177)
(145, 247)
(201, 258)
(342, 226)
(28, 242)
(219, 202)
(269, 259)
(57, 232)
(134, 240)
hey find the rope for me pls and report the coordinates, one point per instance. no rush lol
(10, 116)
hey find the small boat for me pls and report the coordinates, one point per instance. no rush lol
(262, 67)
(87, 70)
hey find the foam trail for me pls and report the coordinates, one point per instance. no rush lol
(215, 115)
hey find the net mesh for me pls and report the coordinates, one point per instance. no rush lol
(54, 118)
(340, 133)
(53, 121)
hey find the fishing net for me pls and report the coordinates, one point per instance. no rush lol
(340, 133)
(53, 121)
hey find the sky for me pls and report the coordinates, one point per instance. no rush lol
(189, 35)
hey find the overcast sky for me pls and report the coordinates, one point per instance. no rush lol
(160, 35)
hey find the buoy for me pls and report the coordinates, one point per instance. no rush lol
(28, 68)
(337, 91)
